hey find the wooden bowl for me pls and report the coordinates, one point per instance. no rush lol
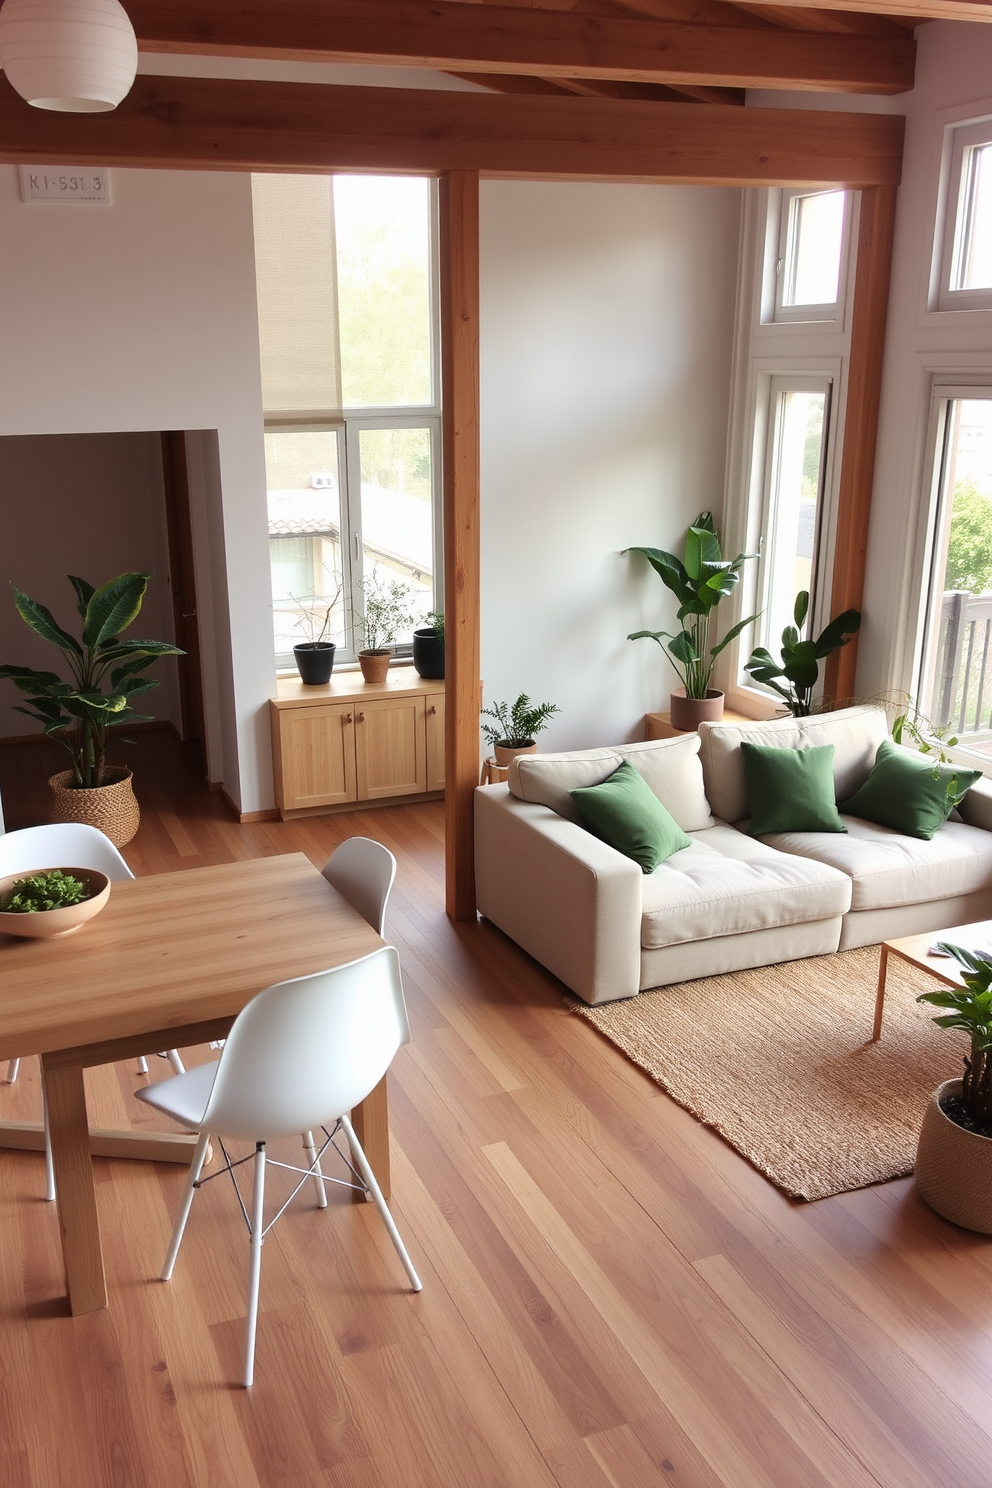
(50, 922)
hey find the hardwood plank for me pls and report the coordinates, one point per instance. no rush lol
(214, 124)
(459, 294)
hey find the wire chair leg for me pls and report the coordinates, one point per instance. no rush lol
(13, 1065)
(142, 1065)
(199, 1153)
(312, 1161)
(362, 1164)
(255, 1268)
(49, 1164)
(172, 1055)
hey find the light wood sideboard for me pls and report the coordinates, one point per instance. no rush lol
(352, 741)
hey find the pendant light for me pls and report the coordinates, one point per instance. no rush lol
(76, 56)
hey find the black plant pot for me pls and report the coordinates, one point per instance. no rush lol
(315, 660)
(428, 653)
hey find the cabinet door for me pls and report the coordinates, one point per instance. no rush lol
(435, 741)
(389, 747)
(317, 747)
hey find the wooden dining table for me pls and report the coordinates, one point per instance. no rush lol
(170, 962)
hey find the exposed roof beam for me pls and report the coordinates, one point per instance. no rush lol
(209, 124)
(917, 10)
(454, 37)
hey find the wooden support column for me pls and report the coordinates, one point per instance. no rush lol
(871, 299)
(460, 464)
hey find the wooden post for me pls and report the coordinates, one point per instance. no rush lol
(460, 464)
(864, 383)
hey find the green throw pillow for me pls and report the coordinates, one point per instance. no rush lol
(909, 791)
(627, 814)
(791, 790)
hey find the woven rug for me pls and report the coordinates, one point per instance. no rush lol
(778, 1061)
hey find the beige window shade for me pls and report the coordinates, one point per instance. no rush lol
(296, 277)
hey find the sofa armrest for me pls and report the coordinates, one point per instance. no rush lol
(570, 900)
(976, 808)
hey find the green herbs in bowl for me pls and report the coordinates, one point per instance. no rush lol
(51, 901)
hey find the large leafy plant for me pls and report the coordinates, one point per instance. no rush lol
(795, 677)
(970, 1009)
(699, 583)
(104, 669)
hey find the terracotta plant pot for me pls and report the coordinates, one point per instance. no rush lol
(111, 807)
(374, 665)
(504, 753)
(687, 713)
(954, 1167)
(46, 924)
(315, 662)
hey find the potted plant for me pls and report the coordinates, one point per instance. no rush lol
(698, 583)
(516, 726)
(428, 646)
(796, 677)
(315, 656)
(104, 675)
(954, 1158)
(384, 611)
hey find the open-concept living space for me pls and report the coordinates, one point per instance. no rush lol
(496, 744)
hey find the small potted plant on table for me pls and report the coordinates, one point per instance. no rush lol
(383, 613)
(516, 726)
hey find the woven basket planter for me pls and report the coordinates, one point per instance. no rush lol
(111, 807)
(954, 1167)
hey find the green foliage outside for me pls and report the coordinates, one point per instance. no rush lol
(41, 891)
(969, 547)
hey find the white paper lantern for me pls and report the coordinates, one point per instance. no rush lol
(77, 56)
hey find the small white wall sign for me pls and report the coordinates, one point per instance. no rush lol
(65, 183)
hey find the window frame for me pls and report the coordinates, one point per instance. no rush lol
(960, 140)
(780, 254)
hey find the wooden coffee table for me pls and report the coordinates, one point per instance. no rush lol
(916, 950)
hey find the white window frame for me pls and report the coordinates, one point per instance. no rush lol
(963, 140)
(780, 255)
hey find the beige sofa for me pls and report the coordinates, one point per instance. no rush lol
(607, 930)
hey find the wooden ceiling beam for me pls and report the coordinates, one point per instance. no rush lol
(915, 10)
(213, 124)
(453, 37)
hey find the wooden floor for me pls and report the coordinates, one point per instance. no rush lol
(612, 1297)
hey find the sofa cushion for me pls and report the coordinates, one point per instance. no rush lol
(627, 814)
(790, 790)
(670, 766)
(855, 734)
(909, 791)
(887, 868)
(729, 884)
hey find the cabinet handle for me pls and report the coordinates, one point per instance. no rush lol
(432, 709)
(361, 717)
(346, 718)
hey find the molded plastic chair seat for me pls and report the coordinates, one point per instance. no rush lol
(362, 870)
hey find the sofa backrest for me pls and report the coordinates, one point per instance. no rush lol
(855, 734)
(670, 766)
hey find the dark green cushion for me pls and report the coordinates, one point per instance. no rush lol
(909, 792)
(627, 814)
(791, 790)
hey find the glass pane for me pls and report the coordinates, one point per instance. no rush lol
(815, 237)
(790, 538)
(304, 536)
(397, 522)
(383, 258)
(973, 253)
(958, 677)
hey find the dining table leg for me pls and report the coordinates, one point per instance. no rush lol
(370, 1118)
(82, 1255)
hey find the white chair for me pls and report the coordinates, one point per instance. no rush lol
(363, 871)
(300, 1056)
(63, 845)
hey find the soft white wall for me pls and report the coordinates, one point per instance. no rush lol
(85, 504)
(141, 316)
(607, 321)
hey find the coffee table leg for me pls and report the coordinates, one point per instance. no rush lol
(883, 966)
(370, 1119)
(81, 1254)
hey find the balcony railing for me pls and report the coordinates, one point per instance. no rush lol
(962, 695)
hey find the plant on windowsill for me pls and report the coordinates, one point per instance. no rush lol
(516, 726)
(698, 583)
(104, 668)
(315, 656)
(382, 611)
(954, 1157)
(428, 646)
(795, 678)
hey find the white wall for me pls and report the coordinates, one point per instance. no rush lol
(50, 488)
(141, 316)
(607, 322)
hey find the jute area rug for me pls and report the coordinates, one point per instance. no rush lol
(779, 1061)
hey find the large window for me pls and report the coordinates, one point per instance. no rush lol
(347, 330)
(806, 250)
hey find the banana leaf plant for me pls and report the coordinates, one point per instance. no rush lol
(699, 583)
(104, 670)
(795, 678)
(970, 1009)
